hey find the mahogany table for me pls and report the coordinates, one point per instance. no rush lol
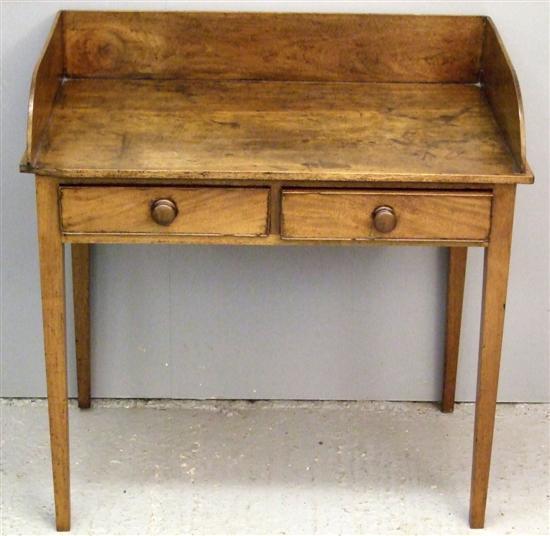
(270, 129)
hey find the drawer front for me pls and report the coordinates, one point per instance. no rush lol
(186, 211)
(353, 215)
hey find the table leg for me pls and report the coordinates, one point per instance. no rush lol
(495, 281)
(80, 254)
(455, 294)
(52, 276)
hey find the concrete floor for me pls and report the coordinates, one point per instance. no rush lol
(221, 467)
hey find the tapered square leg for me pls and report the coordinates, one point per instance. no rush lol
(455, 295)
(52, 277)
(495, 280)
(80, 254)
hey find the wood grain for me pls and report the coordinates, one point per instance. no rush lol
(333, 214)
(267, 241)
(273, 46)
(80, 254)
(455, 296)
(272, 129)
(272, 183)
(275, 130)
(52, 278)
(201, 211)
(495, 281)
(46, 81)
(502, 88)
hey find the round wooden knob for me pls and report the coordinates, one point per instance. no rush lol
(164, 211)
(384, 219)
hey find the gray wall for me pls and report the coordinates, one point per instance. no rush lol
(341, 323)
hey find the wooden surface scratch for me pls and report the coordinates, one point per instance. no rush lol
(299, 130)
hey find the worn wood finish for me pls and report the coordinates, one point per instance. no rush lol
(267, 241)
(201, 211)
(495, 280)
(80, 254)
(273, 46)
(289, 131)
(45, 84)
(502, 88)
(333, 214)
(52, 277)
(455, 295)
(274, 129)
(270, 182)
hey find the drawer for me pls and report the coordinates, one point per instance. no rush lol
(385, 215)
(165, 210)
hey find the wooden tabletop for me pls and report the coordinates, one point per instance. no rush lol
(289, 130)
(221, 96)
